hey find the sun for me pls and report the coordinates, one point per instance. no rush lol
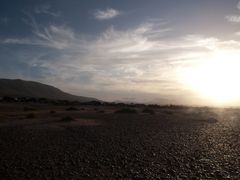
(216, 78)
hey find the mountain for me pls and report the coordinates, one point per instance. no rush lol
(21, 88)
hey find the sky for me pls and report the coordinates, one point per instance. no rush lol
(142, 51)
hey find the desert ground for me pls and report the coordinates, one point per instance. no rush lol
(39, 141)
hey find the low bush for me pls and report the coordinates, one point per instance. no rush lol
(52, 112)
(126, 111)
(169, 112)
(101, 111)
(30, 116)
(29, 109)
(71, 109)
(148, 111)
(212, 120)
(67, 119)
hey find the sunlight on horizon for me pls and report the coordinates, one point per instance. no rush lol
(216, 78)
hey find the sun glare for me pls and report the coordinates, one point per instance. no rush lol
(216, 78)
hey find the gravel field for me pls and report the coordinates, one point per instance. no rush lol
(170, 144)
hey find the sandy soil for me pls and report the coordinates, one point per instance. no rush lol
(189, 143)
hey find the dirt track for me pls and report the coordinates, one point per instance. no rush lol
(174, 144)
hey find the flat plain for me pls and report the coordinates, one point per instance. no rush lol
(94, 142)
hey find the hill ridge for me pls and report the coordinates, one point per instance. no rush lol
(26, 88)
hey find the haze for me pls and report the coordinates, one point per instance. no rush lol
(165, 52)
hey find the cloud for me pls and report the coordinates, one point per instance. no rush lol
(52, 36)
(106, 61)
(106, 14)
(4, 20)
(45, 9)
(140, 59)
(233, 18)
(238, 5)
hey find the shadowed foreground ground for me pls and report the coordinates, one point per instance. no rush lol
(171, 144)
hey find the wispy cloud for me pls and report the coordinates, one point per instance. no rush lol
(45, 9)
(106, 61)
(233, 18)
(4, 20)
(238, 5)
(106, 14)
(52, 36)
(117, 61)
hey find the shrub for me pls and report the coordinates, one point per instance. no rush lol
(52, 112)
(101, 111)
(148, 111)
(126, 111)
(212, 120)
(67, 119)
(71, 109)
(30, 116)
(29, 109)
(169, 112)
